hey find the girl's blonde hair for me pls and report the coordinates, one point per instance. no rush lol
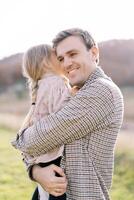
(36, 62)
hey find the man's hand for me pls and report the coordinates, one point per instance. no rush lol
(46, 178)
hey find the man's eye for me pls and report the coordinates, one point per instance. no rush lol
(60, 59)
(72, 54)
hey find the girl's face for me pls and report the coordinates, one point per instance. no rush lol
(54, 60)
(55, 63)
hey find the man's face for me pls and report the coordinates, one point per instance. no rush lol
(77, 61)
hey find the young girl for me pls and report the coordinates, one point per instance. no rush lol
(50, 91)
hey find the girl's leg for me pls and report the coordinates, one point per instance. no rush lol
(56, 162)
(35, 194)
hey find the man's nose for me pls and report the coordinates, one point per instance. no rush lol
(67, 62)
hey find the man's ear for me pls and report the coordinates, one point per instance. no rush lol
(95, 54)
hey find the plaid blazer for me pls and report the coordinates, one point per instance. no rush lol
(88, 126)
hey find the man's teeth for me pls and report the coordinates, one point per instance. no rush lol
(73, 70)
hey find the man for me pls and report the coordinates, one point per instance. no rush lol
(88, 125)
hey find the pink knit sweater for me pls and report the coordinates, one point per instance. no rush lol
(53, 93)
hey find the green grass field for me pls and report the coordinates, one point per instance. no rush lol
(123, 180)
(15, 185)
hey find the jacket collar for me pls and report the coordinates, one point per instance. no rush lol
(97, 73)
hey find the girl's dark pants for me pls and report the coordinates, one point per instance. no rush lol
(51, 197)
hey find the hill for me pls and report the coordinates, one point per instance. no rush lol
(10, 69)
(116, 58)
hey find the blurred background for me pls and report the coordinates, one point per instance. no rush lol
(27, 23)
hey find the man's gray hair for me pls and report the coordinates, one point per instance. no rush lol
(84, 35)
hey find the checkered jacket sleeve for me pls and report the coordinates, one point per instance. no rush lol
(93, 108)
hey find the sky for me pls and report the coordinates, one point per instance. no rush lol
(25, 23)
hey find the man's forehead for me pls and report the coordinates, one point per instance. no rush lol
(69, 44)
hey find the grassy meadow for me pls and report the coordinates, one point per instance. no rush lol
(14, 183)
